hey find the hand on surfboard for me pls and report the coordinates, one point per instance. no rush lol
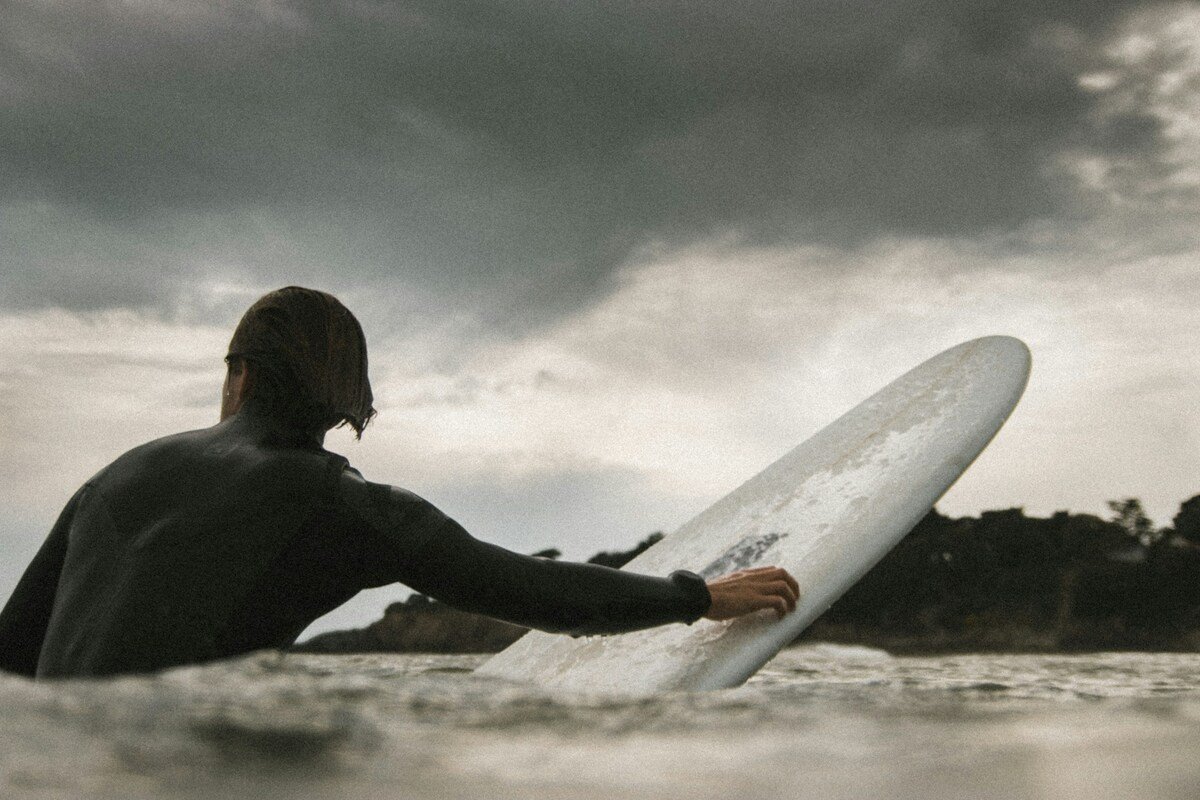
(750, 590)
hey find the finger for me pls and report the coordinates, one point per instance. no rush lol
(780, 574)
(793, 591)
(784, 590)
(780, 606)
(756, 575)
(772, 573)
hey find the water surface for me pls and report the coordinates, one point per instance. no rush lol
(818, 721)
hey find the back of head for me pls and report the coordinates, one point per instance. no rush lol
(309, 360)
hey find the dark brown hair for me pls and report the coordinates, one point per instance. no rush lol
(309, 357)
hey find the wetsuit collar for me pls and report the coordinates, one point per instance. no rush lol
(254, 422)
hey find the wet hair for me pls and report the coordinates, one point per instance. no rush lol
(309, 357)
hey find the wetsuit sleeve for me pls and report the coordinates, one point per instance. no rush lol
(26, 616)
(419, 546)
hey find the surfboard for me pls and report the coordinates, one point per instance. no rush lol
(827, 511)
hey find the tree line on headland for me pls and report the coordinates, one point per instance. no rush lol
(1002, 581)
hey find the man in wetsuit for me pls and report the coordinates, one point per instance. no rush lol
(217, 542)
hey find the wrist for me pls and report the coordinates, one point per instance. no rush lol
(697, 589)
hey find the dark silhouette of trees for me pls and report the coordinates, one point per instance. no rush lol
(1007, 581)
(1187, 521)
(620, 558)
(1129, 515)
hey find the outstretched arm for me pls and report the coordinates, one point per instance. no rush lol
(557, 596)
(422, 548)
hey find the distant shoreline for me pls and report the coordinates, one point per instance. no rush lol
(1001, 582)
(1007, 642)
(425, 626)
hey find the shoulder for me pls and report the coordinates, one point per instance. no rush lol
(147, 455)
(352, 486)
(218, 452)
(384, 506)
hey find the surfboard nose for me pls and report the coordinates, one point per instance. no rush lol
(1009, 344)
(1008, 351)
(1003, 362)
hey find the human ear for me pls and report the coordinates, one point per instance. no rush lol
(239, 382)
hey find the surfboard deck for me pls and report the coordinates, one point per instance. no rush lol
(827, 511)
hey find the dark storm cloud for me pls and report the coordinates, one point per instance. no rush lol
(519, 149)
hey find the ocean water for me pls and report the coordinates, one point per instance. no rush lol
(819, 721)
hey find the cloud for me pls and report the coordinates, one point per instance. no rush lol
(514, 155)
(697, 369)
(703, 365)
(611, 260)
(76, 390)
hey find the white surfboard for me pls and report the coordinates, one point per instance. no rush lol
(827, 512)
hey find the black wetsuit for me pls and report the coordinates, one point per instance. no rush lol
(216, 542)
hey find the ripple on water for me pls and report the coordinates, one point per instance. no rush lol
(817, 721)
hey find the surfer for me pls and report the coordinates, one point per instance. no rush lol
(213, 543)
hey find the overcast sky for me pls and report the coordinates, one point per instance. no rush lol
(611, 258)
